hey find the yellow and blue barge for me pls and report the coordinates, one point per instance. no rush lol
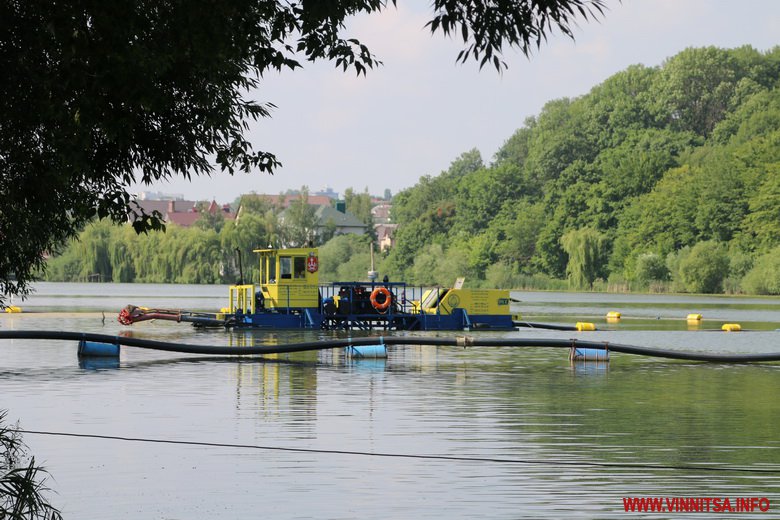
(288, 295)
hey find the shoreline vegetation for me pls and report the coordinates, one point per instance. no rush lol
(661, 179)
(532, 284)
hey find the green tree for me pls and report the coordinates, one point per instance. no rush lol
(410, 240)
(560, 137)
(426, 265)
(198, 257)
(662, 220)
(347, 258)
(697, 87)
(764, 277)
(550, 257)
(359, 204)
(328, 232)
(430, 194)
(481, 194)
(633, 167)
(519, 226)
(300, 221)
(650, 267)
(254, 228)
(622, 104)
(254, 203)
(585, 248)
(762, 223)
(515, 149)
(705, 267)
(120, 250)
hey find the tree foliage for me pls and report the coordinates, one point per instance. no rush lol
(653, 161)
(210, 251)
(650, 267)
(299, 222)
(585, 249)
(703, 269)
(764, 277)
(487, 26)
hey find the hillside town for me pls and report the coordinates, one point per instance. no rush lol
(330, 212)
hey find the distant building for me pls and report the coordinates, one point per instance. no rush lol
(182, 213)
(329, 219)
(327, 191)
(345, 221)
(385, 234)
(384, 229)
(284, 201)
(158, 195)
(380, 213)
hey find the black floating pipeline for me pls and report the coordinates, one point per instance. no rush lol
(461, 341)
(545, 326)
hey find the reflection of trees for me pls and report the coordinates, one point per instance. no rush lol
(636, 411)
(652, 412)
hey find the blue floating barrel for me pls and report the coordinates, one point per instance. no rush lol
(588, 354)
(98, 349)
(368, 351)
(98, 363)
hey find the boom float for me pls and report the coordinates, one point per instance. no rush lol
(458, 341)
(288, 296)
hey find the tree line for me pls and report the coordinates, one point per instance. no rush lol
(213, 250)
(659, 178)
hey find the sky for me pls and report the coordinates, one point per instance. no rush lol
(419, 111)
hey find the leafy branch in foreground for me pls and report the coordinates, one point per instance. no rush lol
(22, 484)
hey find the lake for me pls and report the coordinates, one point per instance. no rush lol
(429, 432)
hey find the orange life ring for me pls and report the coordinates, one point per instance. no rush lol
(386, 303)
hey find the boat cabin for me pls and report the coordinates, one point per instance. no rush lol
(289, 278)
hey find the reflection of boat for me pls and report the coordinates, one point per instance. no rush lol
(288, 296)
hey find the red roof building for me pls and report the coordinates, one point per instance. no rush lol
(183, 213)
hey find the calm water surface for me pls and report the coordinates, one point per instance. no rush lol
(524, 433)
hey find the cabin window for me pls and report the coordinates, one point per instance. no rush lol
(299, 267)
(285, 267)
(271, 269)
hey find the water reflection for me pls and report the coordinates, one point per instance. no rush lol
(96, 363)
(589, 368)
(531, 420)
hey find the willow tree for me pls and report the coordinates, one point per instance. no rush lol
(96, 96)
(585, 249)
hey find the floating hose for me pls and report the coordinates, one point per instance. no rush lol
(546, 326)
(464, 341)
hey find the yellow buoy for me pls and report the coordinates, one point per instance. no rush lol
(13, 308)
(583, 326)
(731, 327)
(694, 317)
(613, 315)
